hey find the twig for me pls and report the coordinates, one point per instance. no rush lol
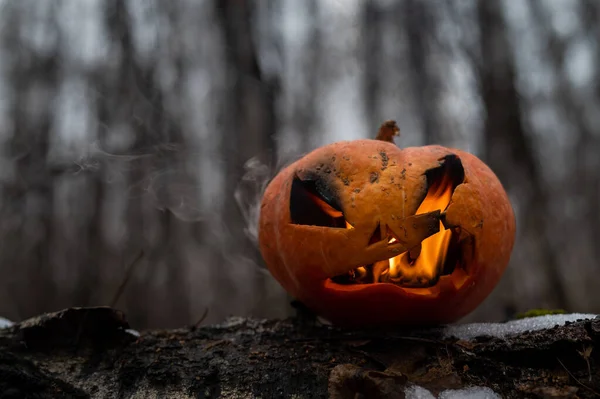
(197, 324)
(419, 339)
(576, 380)
(367, 336)
(126, 278)
(369, 356)
(586, 353)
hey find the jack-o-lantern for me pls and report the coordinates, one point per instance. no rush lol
(365, 233)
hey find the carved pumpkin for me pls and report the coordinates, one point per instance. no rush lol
(365, 233)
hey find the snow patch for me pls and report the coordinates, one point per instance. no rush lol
(501, 330)
(5, 323)
(133, 332)
(258, 325)
(469, 393)
(418, 392)
(233, 321)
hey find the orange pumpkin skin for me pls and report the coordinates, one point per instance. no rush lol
(376, 183)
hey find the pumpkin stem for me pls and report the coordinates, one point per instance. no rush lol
(387, 131)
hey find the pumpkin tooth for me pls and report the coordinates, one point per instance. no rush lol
(414, 253)
(443, 219)
(380, 268)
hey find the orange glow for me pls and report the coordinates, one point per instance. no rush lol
(427, 261)
(325, 207)
(434, 249)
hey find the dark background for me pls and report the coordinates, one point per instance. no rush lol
(154, 125)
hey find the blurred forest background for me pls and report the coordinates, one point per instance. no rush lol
(153, 125)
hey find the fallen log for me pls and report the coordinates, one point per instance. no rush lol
(91, 353)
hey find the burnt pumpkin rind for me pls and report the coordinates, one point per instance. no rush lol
(374, 183)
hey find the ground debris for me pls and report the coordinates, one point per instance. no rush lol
(351, 381)
(87, 352)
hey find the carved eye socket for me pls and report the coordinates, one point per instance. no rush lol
(313, 203)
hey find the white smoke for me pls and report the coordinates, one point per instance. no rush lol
(248, 194)
(164, 180)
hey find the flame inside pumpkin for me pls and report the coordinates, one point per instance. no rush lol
(424, 264)
(421, 266)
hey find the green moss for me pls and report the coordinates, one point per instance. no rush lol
(539, 312)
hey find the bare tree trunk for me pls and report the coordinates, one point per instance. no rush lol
(508, 149)
(418, 22)
(590, 14)
(585, 181)
(31, 194)
(91, 250)
(306, 112)
(372, 32)
(117, 105)
(249, 124)
(136, 99)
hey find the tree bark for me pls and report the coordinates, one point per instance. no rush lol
(371, 32)
(30, 195)
(88, 352)
(505, 133)
(248, 125)
(418, 21)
